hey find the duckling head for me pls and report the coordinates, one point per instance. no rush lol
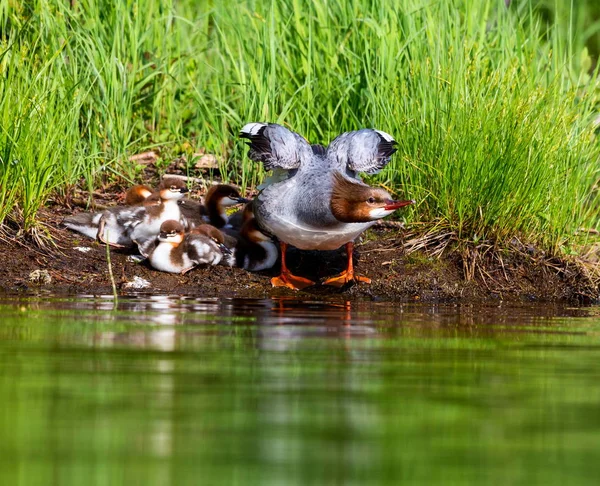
(172, 188)
(137, 194)
(223, 195)
(172, 232)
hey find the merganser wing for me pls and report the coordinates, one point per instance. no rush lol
(367, 150)
(275, 146)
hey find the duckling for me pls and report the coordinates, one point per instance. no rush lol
(177, 252)
(124, 226)
(255, 250)
(227, 243)
(136, 195)
(87, 223)
(217, 199)
(237, 219)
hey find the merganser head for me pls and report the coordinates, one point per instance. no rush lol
(217, 199)
(353, 202)
(137, 194)
(172, 188)
(223, 195)
(171, 231)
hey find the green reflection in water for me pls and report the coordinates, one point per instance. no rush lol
(182, 391)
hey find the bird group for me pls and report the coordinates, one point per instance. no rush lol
(314, 200)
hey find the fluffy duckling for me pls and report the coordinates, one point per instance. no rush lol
(177, 252)
(125, 226)
(255, 250)
(87, 223)
(217, 200)
(226, 243)
(136, 195)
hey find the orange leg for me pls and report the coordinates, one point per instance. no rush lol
(286, 279)
(348, 274)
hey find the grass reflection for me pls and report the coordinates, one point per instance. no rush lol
(286, 392)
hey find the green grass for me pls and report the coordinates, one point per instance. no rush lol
(493, 107)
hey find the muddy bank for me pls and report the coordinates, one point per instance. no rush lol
(79, 265)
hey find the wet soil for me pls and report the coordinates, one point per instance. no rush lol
(396, 275)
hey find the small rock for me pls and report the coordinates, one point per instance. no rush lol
(144, 158)
(40, 277)
(137, 283)
(206, 161)
(135, 258)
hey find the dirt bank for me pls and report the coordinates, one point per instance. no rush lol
(79, 265)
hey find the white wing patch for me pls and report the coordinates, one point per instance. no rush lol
(252, 128)
(387, 137)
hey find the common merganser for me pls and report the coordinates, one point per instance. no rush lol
(255, 250)
(177, 252)
(124, 226)
(314, 200)
(214, 209)
(225, 242)
(122, 217)
(237, 219)
(142, 194)
(136, 195)
(217, 199)
(87, 222)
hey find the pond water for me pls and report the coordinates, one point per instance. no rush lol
(171, 390)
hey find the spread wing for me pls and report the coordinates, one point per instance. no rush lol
(275, 146)
(367, 150)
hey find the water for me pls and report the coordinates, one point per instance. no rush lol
(165, 390)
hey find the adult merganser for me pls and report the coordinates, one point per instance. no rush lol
(124, 226)
(177, 252)
(314, 200)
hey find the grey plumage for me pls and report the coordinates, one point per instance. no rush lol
(365, 150)
(295, 203)
(275, 146)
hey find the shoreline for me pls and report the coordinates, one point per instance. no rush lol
(397, 275)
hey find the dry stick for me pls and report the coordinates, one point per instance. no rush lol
(110, 272)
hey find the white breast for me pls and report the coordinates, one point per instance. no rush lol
(160, 259)
(310, 238)
(150, 227)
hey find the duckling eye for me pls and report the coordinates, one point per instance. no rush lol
(173, 188)
(371, 200)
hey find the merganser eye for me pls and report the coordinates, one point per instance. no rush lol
(174, 188)
(371, 200)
